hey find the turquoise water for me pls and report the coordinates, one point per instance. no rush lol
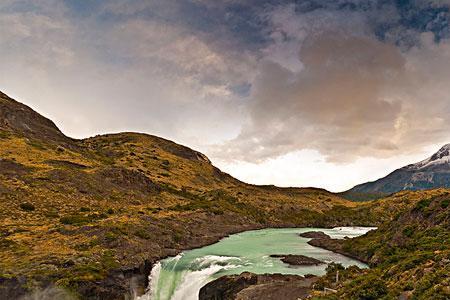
(181, 277)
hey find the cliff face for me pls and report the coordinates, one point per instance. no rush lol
(91, 216)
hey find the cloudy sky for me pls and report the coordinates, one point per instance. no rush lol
(326, 93)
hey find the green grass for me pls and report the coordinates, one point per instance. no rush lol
(409, 253)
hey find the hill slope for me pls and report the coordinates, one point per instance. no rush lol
(409, 255)
(433, 172)
(91, 216)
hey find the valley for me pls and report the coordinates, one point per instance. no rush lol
(181, 277)
(87, 219)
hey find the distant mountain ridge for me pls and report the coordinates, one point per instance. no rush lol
(433, 172)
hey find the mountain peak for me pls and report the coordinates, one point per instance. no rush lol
(443, 152)
(442, 156)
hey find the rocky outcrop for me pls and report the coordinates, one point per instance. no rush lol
(298, 260)
(19, 118)
(335, 245)
(314, 235)
(248, 286)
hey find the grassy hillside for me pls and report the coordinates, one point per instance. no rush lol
(91, 216)
(409, 255)
(87, 218)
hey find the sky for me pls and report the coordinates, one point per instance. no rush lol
(325, 93)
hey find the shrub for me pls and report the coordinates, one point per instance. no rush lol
(422, 204)
(60, 149)
(143, 234)
(4, 134)
(51, 214)
(177, 237)
(74, 219)
(154, 210)
(371, 289)
(81, 219)
(111, 237)
(27, 206)
(408, 231)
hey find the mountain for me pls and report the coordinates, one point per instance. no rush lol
(433, 172)
(88, 218)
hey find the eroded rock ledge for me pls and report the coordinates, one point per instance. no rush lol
(248, 286)
(298, 260)
(315, 235)
(323, 240)
(335, 245)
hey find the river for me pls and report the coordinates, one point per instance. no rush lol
(181, 277)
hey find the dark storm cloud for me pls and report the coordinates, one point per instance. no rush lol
(349, 79)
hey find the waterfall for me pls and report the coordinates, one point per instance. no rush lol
(167, 282)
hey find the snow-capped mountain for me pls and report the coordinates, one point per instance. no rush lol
(433, 172)
(442, 157)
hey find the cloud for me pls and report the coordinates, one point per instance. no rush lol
(175, 52)
(109, 72)
(353, 96)
(40, 38)
(347, 78)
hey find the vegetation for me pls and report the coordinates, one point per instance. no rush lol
(27, 206)
(91, 215)
(409, 256)
(64, 203)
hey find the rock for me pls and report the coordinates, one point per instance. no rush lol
(252, 286)
(171, 252)
(405, 295)
(298, 260)
(227, 287)
(13, 288)
(315, 235)
(81, 260)
(19, 118)
(336, 245)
